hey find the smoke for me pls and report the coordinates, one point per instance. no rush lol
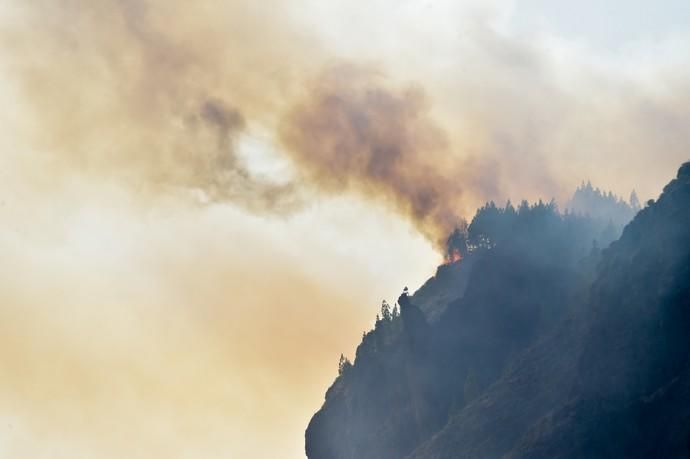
(353, 133)
(148, 94)
(163, 101)
(121, 330)
(133, 315)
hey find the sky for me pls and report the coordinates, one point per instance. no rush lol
(203, 206)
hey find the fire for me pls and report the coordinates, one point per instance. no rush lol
(453, 256)
(456, 244)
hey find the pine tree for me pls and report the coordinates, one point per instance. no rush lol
(343, 365)
(386, 311)
(634, 201)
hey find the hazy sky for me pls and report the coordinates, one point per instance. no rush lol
(203, 206)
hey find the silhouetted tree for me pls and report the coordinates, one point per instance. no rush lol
(456, 244)
(634, 201)
(386, 311)
(344, 365)
(597, 204)
(524, 207)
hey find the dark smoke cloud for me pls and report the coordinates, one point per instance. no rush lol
(147, 92)
(354, 132)
(152, 321)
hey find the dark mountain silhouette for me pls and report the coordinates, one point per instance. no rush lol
(543, 341)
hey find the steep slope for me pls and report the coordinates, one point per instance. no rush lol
(449, 284)
(534, 383)
(613, 379)
(631, 397)
(413, 373)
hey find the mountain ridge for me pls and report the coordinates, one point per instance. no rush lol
(547, 339)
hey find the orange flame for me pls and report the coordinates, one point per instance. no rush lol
(453, 256)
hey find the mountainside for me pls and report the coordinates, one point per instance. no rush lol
(537, 343)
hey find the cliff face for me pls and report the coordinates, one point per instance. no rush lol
(546, 347)
(631, 395)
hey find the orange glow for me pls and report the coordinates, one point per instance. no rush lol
(453, 256)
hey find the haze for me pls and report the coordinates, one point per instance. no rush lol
(203, 206)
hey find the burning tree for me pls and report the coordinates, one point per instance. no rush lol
(456, 244)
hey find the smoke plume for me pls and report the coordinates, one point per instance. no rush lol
(136, 322)
(353, 133)
(145, 93)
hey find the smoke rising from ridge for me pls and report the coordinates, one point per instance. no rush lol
(133, 317)
(148, 94)
(354, 133)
